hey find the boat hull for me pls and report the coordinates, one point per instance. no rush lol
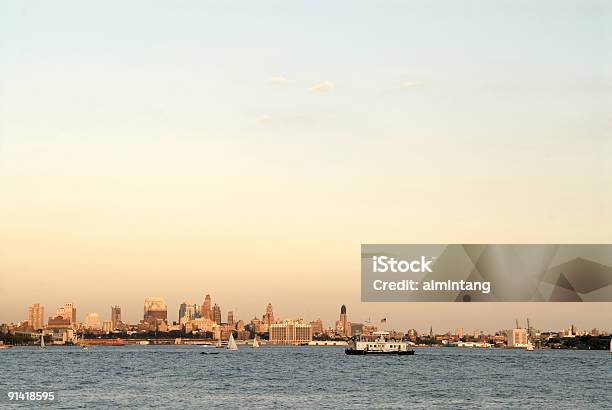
(365, 352)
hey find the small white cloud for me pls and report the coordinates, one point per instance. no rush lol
(408, 84)
(323, 87)
(278, 80)
(404, 85)
(264, 119)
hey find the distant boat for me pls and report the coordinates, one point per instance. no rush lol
(255, 343)
(381, 346)
(529, 345)
(611, 345)
(42, 341)
(231, 345)
(219, 345)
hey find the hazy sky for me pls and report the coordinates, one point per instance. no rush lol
(176, 149)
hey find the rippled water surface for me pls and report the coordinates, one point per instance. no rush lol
(179, 376)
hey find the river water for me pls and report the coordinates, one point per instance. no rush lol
(300, 377)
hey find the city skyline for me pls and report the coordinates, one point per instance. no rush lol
(328, 319)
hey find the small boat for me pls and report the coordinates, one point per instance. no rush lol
(42, 341)
(255, 343)
(231, 344)
(529, 346)
(381, 346)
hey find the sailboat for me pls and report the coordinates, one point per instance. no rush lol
(42, 341)
(82, 342)
(529, 345)
(231, 344)
(255, 343)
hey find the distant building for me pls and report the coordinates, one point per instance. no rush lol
(68, 311)
(230, 319)
(412, 335)
(268, 317)
(107, 326)
(290, 332)
(92, 321)
(58, 323)
(257, 326)
(187, 311)
(343, 326)
(36, 316)
(459, 333)
(155, 309)
(115, 317)
(517, 338)
(240, 326)
(317, 327)
(205, 309)
(216, 312)
(356, 329)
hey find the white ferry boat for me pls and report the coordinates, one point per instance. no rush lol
(379, 346)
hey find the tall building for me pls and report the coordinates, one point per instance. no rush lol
(517, 338)
(115, 317)
(36, 316)
(290, 332)
(155, 308)
(216, 314)
(205, 310)
(459, 332)
(268, 317)
(92, 321)
(107, 326)
(188, 311)
(317, 327)
(343, 326)
(68, 311)
(230, 319)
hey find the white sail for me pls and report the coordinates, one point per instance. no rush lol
(42, 341)
(255, 343)
(231, 345)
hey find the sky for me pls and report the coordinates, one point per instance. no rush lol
(247, 150)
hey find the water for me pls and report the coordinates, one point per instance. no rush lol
(300, 377)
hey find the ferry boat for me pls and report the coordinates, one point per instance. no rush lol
(379, 346)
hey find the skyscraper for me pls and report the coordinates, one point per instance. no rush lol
(68, 311)
(268, 317)
(230, 319)
(188, 311)
(216, 313)
(317, 327)
(36, 316)
(205, 311)
(343, 326)
(115, 316)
